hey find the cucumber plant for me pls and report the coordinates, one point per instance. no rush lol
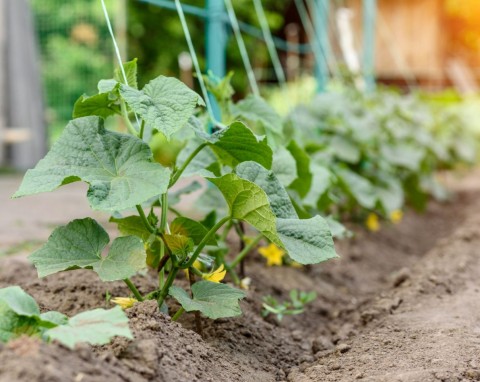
(20, 315)
(123, 176)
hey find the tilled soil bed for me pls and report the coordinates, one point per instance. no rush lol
(400, 305)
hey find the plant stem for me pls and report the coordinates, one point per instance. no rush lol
(163, 261)
(163, 220)
(130, 128)
(241, 226)
(195, 271)
(177, 315)
(134, 289)
(142, 128)
(164, 292)
(198, 320)
(175, 211)
(145, 221)
(233, 275)
(244, 252)
(205, 240)
(179, 172)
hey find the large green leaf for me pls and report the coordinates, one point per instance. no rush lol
(132, 225)
(117, 167)
(13, 325)
(248, 202)
(321, 181)
(304, 181)
(165, 103)
(345, 149)
(80, 243)
(19, 301)
(214, 300)
(190, 228)
(404, 155)
(391, 197)
(19, 313)
(256, 109)
(237, 143)
(360, 188)
(180, 245)
(96, 327)
(284, 166)
(308, 241)
(277, 195)
(100, 105)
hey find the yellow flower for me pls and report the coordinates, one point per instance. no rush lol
(124, 302)
(396, 216)
(245, 283)
(272, 253)
(197, 264)
(372, 222)
(217, 275)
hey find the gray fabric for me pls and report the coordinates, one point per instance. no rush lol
(22, 98)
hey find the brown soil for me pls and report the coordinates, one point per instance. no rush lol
(401, 305)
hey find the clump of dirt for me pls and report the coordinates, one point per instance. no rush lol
(381, 297)
(165, 351)
(27, 359)
(423, 329)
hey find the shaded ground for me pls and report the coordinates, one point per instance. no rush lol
(400, 305)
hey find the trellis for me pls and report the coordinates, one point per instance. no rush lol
(217, 22)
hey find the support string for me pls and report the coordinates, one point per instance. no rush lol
(117, 50)
(267, 36)
(241, 46)
(191, 48)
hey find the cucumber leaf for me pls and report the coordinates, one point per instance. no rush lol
(248, 202)
(165, 104)
(19, 301)
(100, 105)
(308, 241)
(214, 300)
(304, 180)
(277, 195)
(130, 69)
(236, 144)
(190, 228)
(80, 243)
(96, 327)
(256, 109)
(284, 166)
(132, 225)
(117, 167)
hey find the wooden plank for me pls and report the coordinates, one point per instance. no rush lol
(15, 135)
(415, 34)
(3, 70)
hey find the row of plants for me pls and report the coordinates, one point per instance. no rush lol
(122, 175)
(284, 181)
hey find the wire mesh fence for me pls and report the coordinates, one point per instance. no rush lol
(75, 52)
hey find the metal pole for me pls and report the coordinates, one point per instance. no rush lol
(369, 23)
(321, 10)
(216, 44)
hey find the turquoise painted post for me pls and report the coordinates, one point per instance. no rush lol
(369, 22)
(321, 10)
(216, 44)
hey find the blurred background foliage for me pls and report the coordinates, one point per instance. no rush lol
(76, 49)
